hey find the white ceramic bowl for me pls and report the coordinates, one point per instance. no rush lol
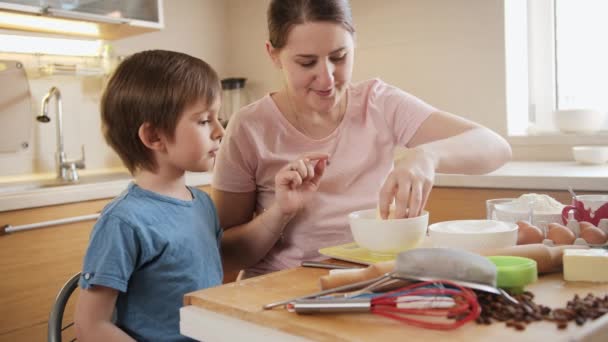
(473, 235)
(387, 236)
(590, 154)
(579, 120)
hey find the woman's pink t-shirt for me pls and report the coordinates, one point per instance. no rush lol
(259, 141)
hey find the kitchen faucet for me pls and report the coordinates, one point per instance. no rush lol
(66, 169)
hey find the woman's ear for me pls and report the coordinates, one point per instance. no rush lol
(150, 137)
(273, 54)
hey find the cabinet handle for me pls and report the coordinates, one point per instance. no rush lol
(7, 229)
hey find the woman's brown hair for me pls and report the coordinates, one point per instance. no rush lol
(284, 14)
(152, 87)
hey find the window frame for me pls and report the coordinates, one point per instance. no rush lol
(530, 105)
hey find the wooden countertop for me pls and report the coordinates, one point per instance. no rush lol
(241, 302)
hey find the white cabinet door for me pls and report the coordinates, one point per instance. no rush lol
(146, 13)
(120, 11)
(29, 6)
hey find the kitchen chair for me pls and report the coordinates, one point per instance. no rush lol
(56, 318)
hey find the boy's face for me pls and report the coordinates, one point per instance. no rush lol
(197, 138)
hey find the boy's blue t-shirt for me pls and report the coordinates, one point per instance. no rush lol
(154, 249)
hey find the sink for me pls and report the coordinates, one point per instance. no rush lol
(28, 185)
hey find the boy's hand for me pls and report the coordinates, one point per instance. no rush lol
(297, 181)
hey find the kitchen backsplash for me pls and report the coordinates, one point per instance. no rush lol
(191, 26)
(81, 121)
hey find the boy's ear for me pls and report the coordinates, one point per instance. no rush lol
(150, 137)
(273, 54)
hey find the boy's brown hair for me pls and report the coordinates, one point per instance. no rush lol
(152, 87)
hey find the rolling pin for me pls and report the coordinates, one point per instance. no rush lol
(343, 277)
(548, 259)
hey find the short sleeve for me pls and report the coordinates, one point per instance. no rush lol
(111, 256)
(219, 232)
(404, 112)
(234, 169)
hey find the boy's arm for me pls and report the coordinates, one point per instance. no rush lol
(93, 317)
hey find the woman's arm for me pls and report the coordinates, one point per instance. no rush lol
(246, 239)
(93, 316)
(458, 145)
(443, 143)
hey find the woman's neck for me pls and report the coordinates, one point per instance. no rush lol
(172, 184)
(314, 124)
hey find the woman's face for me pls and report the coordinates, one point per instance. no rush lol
(317, 63)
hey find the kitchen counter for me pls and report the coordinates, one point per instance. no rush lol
(113, 183)
(514, 175)
(233, 312)
(534, 175)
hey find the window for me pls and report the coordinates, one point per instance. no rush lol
(556, 59)
(581, 53)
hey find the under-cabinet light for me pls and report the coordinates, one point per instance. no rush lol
(50, 46)
(39, 23)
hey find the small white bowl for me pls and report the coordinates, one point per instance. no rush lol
(387, 236)
(579, 120)
(595, 155)
(473, 235)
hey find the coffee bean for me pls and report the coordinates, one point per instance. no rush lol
(517, 316)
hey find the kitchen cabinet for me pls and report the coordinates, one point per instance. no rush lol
(114, 19)
(35, 264)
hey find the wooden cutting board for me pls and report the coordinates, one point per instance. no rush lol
(244, 300)
(16, 116)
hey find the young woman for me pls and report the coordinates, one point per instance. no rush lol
(330, 145)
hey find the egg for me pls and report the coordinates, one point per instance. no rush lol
(592, 234)
(560, 234)
(527, 233)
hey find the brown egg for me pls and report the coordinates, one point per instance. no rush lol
(592, 234)
(584, 225)
(560, 234)
(527, 233)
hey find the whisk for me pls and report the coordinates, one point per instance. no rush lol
(431, 298)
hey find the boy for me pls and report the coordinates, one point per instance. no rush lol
(159, 239)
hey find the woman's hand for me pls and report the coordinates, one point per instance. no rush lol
(409, 183)
(297, 181)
